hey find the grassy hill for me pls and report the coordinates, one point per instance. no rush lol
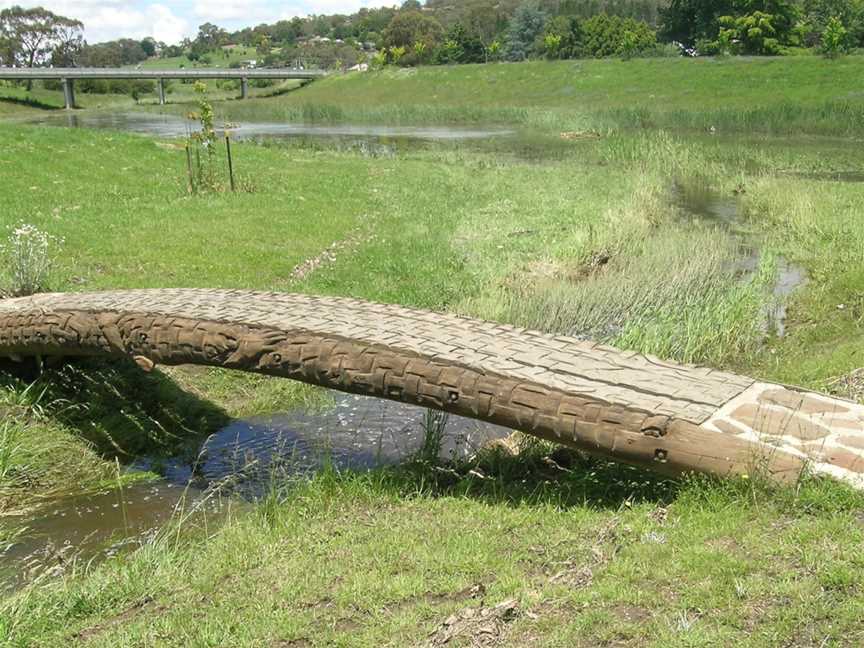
(218, 58)
(788, 95)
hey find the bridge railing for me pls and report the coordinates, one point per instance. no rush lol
(68, 76)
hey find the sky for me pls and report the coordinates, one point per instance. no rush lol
(171, 21)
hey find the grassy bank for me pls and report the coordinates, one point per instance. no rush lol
(770, 95)
(586, 558)
(596, 236)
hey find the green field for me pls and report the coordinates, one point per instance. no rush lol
(219, 58)
(770, 95)
(584, 221)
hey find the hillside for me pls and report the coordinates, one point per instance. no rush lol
(780, 95)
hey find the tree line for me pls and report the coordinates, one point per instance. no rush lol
(470, 31)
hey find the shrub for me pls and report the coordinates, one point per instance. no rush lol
(834, 38)
(605, 35)
(27, 259)
(562, 37)
(755, 33)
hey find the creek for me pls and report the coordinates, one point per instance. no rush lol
(234, 466)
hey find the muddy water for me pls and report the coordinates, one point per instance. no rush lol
(357, 433)
(232, 467)
(72, 531)
(702, 203)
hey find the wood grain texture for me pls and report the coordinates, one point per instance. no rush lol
(633, 408)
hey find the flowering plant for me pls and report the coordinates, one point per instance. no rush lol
(27, 259)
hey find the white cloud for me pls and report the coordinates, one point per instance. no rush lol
(109, 19)
(171, 20)
(233, 10)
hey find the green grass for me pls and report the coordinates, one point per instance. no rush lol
(590, 557)
(773, 95)
(584, 236)
(219, 58)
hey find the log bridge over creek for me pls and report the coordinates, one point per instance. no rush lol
(67, 76)
(621, 405)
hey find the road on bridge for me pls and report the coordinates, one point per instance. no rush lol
(68, 76)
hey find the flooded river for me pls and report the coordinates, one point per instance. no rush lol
(169, 126)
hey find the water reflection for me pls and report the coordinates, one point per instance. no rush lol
(73, 531)
(702, 203)
(237, 464)
(359, 433)
(166, 125)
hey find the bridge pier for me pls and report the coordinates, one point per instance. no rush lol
(69, 93)
(244, 88)
(161, 86)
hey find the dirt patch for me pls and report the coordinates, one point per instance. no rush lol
(579, 572)
(479, 627)
(346, 624)
(292, 643)
(849, 386)
(547, 273)
(328, 255)
(438, 598)
(571, 136)
(126, 615)
(631, 613)
(725, 544)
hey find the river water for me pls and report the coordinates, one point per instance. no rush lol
(702, 203)
(236, 465)
(170, 126)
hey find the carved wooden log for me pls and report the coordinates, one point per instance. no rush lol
(624, 406)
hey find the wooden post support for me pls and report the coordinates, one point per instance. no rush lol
(244, 88)
(69, 93)
(230, 161)
(161, 92)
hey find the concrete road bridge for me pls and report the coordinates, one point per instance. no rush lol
(620, 405)
(68, 76)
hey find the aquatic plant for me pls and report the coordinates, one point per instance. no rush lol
(434, 426)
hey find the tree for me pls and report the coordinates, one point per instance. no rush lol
(449, 52)
(834, 38)
(526, 25)
(693, 22)
(409, 28)
(818, 13)
(68, 43)
(567, 32)
(552, 45)
(469, 45)
(605, 35)
(32, 35)
(148, 45)
(755, 33)
(688, 21)
(209, 37)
